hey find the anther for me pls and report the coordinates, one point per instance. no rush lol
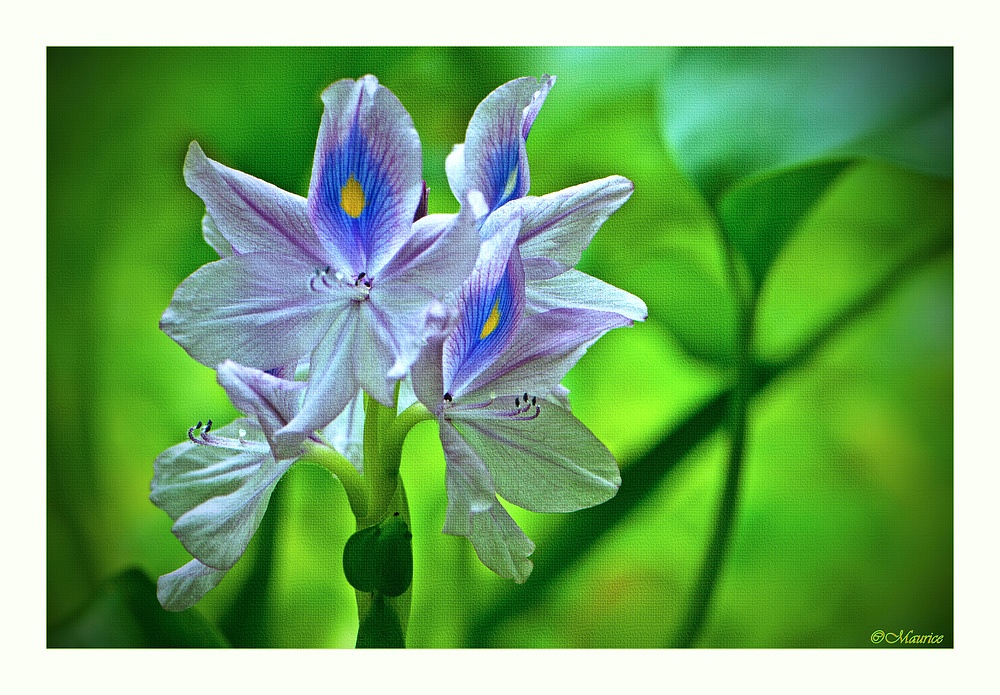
(207, 427)
(360, 277)
(517, 402)
(532, 400)
(447, 397)
(525, 397)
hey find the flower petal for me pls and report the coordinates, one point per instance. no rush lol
(576, 290)
(214, 238)
(545, 348)
(549, 463)
(256, 309)
(217, 492)
(332, 380)
(347, 432)
(252, 215)
(496, 161)
(490, 303)
(474, 512)
(560, 225)
(501, 544)
(454, 167)
(184, 587)
(273, 401)
(366, 180)
(468, 482)
(431, 265)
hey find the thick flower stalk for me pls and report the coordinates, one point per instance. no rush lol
(491, 378)
(342, 279)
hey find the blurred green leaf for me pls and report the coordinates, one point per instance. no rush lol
(758, 215)
(583, 529)
(126, 614)
(681, 291)
(732, 113)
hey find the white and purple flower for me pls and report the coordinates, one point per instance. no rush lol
(342, 279)
(491, 378)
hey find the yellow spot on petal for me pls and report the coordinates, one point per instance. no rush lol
(352, 198)
(508, 190)
(492, 321)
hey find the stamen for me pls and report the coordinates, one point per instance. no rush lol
(201, 436)
(447, 398)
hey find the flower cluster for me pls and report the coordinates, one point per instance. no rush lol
(322, 308)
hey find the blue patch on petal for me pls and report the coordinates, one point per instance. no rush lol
(355, 192)
(504, 175)
(488, 322)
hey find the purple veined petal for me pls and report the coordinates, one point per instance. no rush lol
(474, 512)
(500, 543)
(263, 310)
(332, 379)
(559, 226)
(426, 374)
(490, 304)
(385, 346)
(184, 587)
(250, 214)
(496, 161)
(576, 290)
(454, 168)
(539, 456)
(347, 432)
(470, 488)
(433, 263)
(543, 350)
(214, 238)
(271, 400)
(366, 180)
(217, 490)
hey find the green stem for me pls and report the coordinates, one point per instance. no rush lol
(383, 620)
(718, 546)
(329, 458)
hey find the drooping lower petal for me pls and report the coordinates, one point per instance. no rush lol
(501, 544)
(184, 587)
(560, 225)
(216, 488)
(576, 290)
(250, 214)
(474, 512)
(366, 181)
(262, 310)
(542, 459)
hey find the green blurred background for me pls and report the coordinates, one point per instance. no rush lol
(826, 195)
